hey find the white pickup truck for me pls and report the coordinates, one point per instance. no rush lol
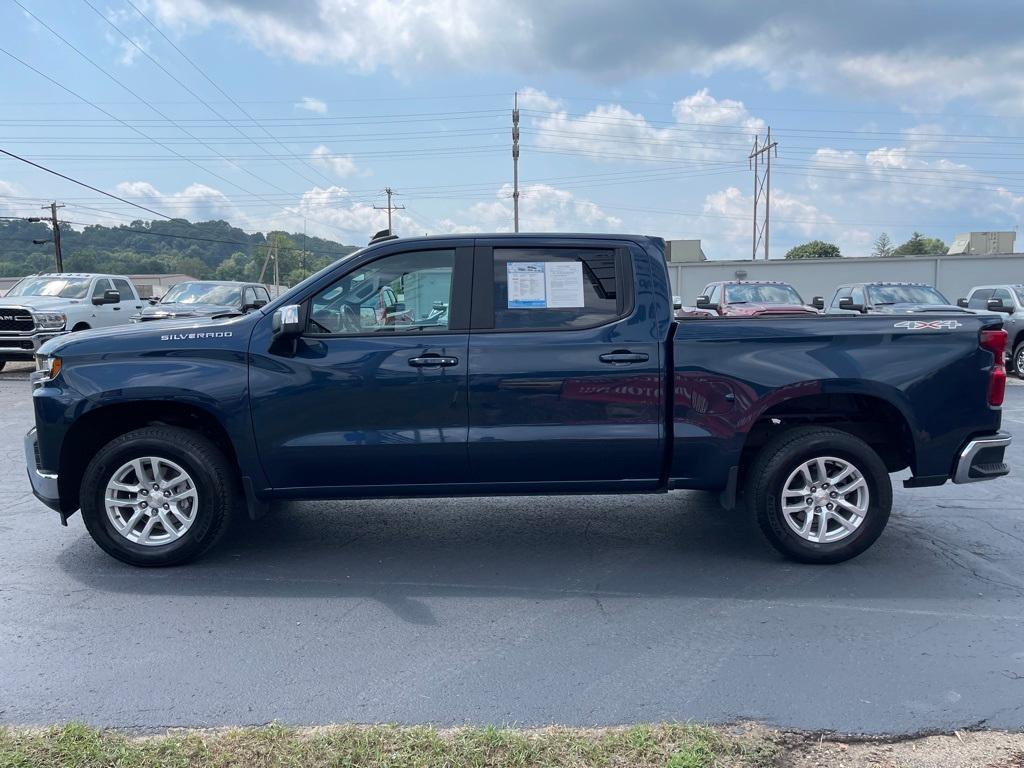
(40, 307)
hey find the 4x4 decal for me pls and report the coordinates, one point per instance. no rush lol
(927, 325)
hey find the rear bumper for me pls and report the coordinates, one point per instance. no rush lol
(982, 459)
(44, 484)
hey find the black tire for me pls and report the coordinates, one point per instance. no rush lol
(212, 475)
(781, 456)
(1017, 360)
(2, 364)
(80, 327)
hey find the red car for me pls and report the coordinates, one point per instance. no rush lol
(739, 298)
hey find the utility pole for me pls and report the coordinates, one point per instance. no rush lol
(389, 192)
(515, 159)
(56, 233)
(762, 187)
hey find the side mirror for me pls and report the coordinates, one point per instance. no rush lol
(153, 300)
(962, 303)
(818, 302)
(108, 297)
(288, 322)
(997, 305)
(253, 305)
(847, 303)
(677, 302)
(703, 302)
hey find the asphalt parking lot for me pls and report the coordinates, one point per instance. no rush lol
(593, 610)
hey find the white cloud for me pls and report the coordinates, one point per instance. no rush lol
(705, 129)
(339, 165)
(196, 202)
(542, 208)
(310, 104)
(874, 47)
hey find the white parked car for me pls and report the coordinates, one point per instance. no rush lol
(40, 307)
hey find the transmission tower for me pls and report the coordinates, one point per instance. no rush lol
(762, 189)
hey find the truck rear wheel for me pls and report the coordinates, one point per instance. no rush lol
(157, 496)
(820, 495)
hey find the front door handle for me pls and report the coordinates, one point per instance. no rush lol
(624, 357)
(433, 361)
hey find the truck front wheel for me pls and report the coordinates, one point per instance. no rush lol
(157, 496)
(820, 495)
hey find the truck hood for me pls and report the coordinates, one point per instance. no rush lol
(172, 310)
(752, 310)
(45, 303)
(141, 335)
(908, 308)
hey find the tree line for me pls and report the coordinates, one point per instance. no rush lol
(917, 245)
(203, 249)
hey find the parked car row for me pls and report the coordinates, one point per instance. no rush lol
(39, 307)
(742, 298)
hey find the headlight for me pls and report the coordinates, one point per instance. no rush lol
(47, 369)
(50, 321)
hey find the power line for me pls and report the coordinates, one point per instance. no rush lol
(167, 72)
(83, 184)
(220, 90)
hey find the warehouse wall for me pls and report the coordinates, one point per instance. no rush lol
(952, 275)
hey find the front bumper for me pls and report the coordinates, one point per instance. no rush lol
(982, 459)
(23, 346)
(44, 484)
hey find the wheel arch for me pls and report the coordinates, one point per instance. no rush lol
(879, 421)
(97, 427)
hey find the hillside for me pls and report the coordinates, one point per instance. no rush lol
(205, 249)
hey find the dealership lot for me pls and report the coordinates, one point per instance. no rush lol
(584, 611)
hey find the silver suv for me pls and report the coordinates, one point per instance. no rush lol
(1008, 299)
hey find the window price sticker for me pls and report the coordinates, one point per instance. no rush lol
(545, 284)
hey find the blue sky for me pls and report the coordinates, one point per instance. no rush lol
(635, 116)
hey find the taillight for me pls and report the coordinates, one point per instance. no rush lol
(995, 342)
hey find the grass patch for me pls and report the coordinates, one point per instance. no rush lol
(274, 746)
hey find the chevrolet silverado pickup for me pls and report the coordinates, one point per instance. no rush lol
(509, 364)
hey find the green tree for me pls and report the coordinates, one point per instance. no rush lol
(919, 245)
(816, 249)
(883, 246)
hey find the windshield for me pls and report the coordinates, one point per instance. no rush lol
(905, 294)
(64, 287)
(203, 293)
(1019, 290)
(761, 293)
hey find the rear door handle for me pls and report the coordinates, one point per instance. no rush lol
(623, 357)
(433, 361)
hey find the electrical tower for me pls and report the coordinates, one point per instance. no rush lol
(389, 192)
(762, 188)
(515, 159)
(56, 233)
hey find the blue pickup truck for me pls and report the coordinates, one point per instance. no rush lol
(509, 364)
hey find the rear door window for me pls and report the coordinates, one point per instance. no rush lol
(558, 288)
(125, 289)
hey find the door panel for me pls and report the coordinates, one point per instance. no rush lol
(353, 411)
(375, 392)
(550, 405)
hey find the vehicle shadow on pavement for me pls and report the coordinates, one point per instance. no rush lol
(404, 553)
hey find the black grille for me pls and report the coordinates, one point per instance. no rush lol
(12, 319)
(10, 343)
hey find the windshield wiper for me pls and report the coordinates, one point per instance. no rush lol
(736, 302)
